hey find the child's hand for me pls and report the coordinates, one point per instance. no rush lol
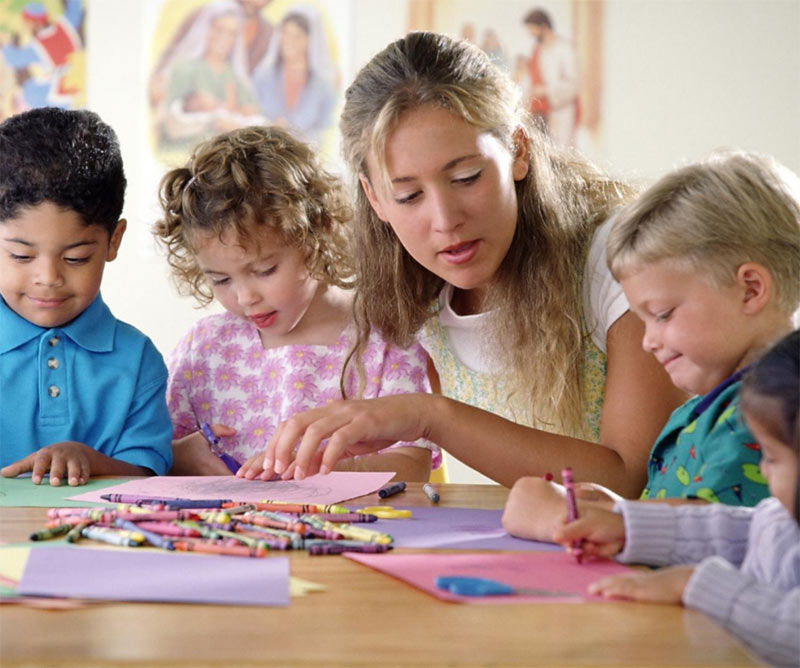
(602, 532)
(535, 509)
(68, 458)
(192, 454)
(665, 585)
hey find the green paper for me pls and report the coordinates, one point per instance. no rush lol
(22, 492)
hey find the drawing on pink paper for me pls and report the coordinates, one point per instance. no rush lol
(319, 489)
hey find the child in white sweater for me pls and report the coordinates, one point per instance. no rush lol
(745, 562)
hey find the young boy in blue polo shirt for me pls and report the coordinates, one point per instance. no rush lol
(81, 393)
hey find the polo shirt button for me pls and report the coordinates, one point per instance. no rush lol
(53, 363)
(53, 391)
(53, 341)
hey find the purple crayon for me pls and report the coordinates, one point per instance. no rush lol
(338, 548)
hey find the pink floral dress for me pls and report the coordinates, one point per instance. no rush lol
(220, 373)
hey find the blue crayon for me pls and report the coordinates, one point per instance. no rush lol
(214, 440)
(178, 504)
(391, 489)
(152, 538)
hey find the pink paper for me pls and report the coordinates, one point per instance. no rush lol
(334, 487)
(556, 571)
(139, 574)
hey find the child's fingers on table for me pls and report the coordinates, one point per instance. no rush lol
(58, 467)
(77, 471)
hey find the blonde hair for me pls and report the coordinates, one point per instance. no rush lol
(560, 201)
(254, 180)
(712, 217)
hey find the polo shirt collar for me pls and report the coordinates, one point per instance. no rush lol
(93, 329)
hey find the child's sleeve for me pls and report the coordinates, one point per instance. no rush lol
(179, 366)
(146, 439)
(765, 617)
(660, 534)
(392, 370)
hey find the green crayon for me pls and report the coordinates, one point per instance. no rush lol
(46, 534)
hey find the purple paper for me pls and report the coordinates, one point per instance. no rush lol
(457, 529)
(139, 574)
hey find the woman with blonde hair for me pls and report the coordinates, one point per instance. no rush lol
(475, 234)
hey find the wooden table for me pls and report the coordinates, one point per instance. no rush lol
(365, 618)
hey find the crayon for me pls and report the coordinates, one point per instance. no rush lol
(169, 529)
(214, 441)
(213, 548)
(314, 533)
(431, 492)
(51, 532)
(269, 540)
(306, 507)
(149, 536)
(572, 510)
(334, 548)
(239, 538)
(391, 489)
(113, 537)
(264, 521)
(349, 517)
(76, 532)
(352, 532)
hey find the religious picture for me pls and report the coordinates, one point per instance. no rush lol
(224, 64)
(552, 49)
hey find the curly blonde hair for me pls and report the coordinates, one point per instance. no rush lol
(540, 329)
(252, 180)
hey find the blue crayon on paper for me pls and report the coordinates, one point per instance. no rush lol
(431, 492)
(214, 440)
(391, 489)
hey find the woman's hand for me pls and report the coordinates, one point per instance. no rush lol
(350, 428)
(665, 585)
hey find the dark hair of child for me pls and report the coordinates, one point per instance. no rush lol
(771, 393)
(70, 158)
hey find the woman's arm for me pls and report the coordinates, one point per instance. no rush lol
(638, 401)
(410, 463)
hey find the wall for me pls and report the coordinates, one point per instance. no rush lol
(681, 78)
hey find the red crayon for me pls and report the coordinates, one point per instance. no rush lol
(217, 548)
(572, 510)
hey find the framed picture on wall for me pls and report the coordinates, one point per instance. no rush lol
(552, 49)
(42, 55)
(222, 64)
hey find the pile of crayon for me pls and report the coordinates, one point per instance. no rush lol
(216, 526)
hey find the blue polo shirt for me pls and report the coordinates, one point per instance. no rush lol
(96, 380)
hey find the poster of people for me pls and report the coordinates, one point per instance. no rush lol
(42, 56)
(223, 64)
(553, 49)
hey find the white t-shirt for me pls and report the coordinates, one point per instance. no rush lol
(603, 303)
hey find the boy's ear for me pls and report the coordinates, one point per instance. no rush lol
(756, 281)
(116, 240)
(373, 200)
